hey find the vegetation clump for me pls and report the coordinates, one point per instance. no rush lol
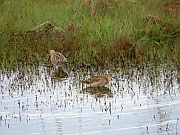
(98, 33)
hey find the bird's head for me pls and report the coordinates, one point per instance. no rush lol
(52, 52)
(109, 76)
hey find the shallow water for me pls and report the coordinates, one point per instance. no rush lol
(143, 100)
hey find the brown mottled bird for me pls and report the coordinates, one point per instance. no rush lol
(58, 59)
(98, 81)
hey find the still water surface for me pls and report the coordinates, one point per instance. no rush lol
(140, 100)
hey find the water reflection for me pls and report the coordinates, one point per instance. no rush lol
(139, 100)
(98, 91)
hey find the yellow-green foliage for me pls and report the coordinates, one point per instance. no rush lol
(96, 32)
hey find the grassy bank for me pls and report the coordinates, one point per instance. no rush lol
(89, 32)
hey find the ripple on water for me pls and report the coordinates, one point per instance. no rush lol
(142, 101)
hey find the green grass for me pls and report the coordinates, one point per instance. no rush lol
(98, 33)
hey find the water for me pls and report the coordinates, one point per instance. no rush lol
(143, 100)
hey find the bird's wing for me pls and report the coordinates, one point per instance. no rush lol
(91, 80)
(97, 82)
(102, 77)
(60, 58)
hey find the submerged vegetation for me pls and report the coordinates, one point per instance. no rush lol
(89, 32)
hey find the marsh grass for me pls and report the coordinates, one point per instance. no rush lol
(89, 32)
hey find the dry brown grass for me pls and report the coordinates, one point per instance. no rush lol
(172, 8)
